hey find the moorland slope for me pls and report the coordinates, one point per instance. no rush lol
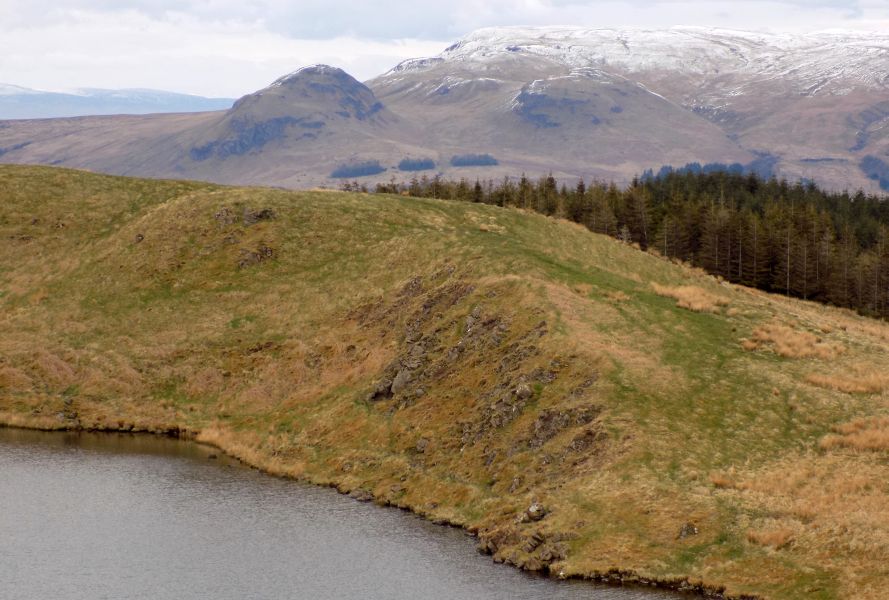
(584, 407)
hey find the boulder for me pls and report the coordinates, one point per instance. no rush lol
(361, 495)
(535, 512)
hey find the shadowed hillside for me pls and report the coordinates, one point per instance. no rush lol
(585, 408)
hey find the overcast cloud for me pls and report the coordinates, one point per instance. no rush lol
(231, 47)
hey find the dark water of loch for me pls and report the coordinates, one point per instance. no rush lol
(95, 516)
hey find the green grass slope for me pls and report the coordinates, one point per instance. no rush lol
(463, 361)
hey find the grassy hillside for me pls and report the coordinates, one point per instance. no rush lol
(467, 362)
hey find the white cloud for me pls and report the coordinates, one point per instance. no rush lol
(231, 47)
(181, 53)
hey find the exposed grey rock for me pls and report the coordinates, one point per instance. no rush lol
(224, 216)
(361, 495)
(533, 541)
(551, 422)
(535, 512)
(254, 257)
(552, 552)
(401, 381)
(382, 391)
(687, 530)
(255, 216)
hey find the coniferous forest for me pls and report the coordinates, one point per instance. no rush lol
(794, 239)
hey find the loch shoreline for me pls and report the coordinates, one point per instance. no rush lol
(622, 578)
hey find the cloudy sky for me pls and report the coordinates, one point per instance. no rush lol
(231, 47)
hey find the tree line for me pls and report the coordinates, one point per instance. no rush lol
(793, 239)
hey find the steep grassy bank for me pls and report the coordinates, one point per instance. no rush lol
(467, 362)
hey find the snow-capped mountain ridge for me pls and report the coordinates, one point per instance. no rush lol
(601, 103)
(831, 62)
(308, 70)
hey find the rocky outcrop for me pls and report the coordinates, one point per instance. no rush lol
(249, 258)
(246, 136)
(552, 422)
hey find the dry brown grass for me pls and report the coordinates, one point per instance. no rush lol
(861, 434)
(53, 369)
(832, 504)
(14, 379)
(791, 343)
(777, 538)
(721, 480)
(584, 289)
(43, 422)
(491, 228)
(852, 323)
(205, 382)
(861, 381)
(247, 448)
(617, 296)
(750, 345)
(691, 297)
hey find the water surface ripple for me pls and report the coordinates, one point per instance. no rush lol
(94, 516)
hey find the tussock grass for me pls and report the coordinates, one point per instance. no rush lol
(691, 297)
(722, 480)
(12, 379)
(774, 538)
(861, 434)
(859, 381)
(791, 343)
(750, 345)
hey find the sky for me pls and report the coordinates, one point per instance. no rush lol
(227, 48)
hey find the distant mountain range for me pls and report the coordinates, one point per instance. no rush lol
(24, 103)
(578, 102)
